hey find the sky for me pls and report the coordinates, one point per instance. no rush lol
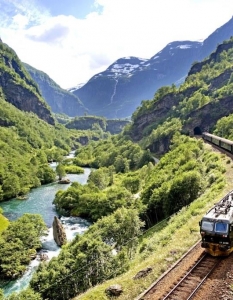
(73, 40)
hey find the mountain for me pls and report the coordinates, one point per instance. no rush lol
(18, 88)
(119, 90)
(195, 106)
(61, 101)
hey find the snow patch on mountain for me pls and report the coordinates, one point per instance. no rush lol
(75, 88)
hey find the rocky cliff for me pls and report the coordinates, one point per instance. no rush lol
(61, 101)
(18, 87)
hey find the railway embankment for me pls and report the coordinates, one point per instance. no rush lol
(166, 243)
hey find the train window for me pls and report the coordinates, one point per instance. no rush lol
(208, 226)
(221, 227)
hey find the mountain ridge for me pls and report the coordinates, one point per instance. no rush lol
(118, 96)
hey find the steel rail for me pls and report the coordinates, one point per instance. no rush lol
(189, 272)
(200, 284)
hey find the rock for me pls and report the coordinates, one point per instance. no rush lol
(143, 273)
(59, 234)
(114, 290)
(64, 181)
(43, 256)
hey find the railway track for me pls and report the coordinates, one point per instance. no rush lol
(185, 278)
(193, 280)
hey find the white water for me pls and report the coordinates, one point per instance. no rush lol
(40, 201)
(72, 226)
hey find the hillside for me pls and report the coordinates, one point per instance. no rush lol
(60, 100)
(196, 106)
(18, 88)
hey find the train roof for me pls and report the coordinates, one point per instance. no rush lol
(223, 210)
(218, 138)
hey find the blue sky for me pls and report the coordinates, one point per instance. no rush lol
(73, 40)
(77, 8)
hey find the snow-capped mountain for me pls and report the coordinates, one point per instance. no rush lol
(119, 90)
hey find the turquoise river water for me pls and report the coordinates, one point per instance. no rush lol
(40, 201)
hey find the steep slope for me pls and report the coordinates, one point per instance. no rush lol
(119, 90)
(60, 100)
(17, 86)
(196, 106)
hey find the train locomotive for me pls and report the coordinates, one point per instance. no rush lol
(216, 227)
(218, 141)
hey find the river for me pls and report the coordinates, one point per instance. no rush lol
(39, 201)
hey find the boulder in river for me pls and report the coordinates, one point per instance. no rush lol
(59, 234)
(64, 181)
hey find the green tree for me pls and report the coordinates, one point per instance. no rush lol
(18, 244)
(61, 172)
(11, 186)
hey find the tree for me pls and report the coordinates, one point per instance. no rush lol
(11, 186)
(121, 229)
(60, 169)
(19, 242)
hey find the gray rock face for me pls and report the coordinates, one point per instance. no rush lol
(18, 87)
(59, 234)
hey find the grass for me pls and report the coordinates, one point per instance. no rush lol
(3, 223)
(161, 246)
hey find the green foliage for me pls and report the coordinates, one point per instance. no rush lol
(3, 222)
(73, 169)
(165, 130)
(179, 178)
(91, 200)
(100, 178)
(24, 295)
(26, 145)
(119, 152)
(224, 127)
(18, 244)
(89, 259)
(132, 183)
(121, 229)
(88, 122)
(61, 171)
(1, 295)
(209, 82)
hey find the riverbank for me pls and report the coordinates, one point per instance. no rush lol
(39, 201)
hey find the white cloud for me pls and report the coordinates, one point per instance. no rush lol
(72, 50)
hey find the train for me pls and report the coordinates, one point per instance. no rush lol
(218, 141)
(216, 228)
